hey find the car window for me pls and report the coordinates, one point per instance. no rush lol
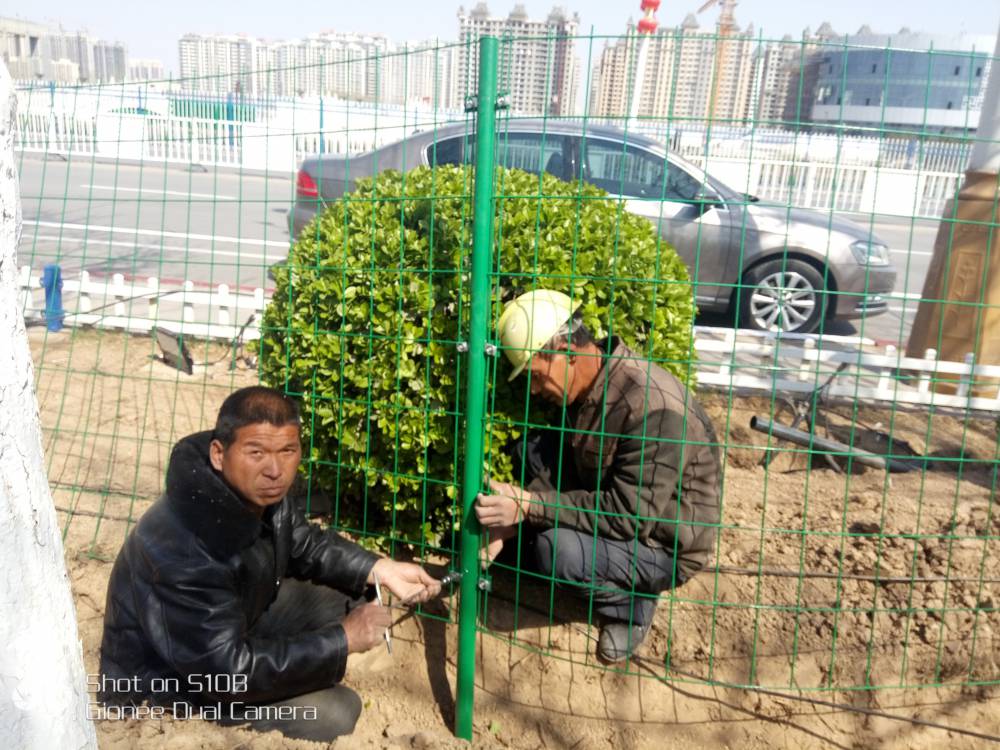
(681, 186)
(636, 173)
(532, 152)
(448, 150)
(528, 151)
(623, 170)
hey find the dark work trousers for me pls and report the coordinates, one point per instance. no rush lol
(623, 577)
(299, 608)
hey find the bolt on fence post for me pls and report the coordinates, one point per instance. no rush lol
(472, 475)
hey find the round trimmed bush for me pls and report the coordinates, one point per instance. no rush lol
(368, 311)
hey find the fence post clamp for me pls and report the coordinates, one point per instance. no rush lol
(490, 350)
(462, 347)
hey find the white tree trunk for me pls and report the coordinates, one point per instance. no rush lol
(43, 688)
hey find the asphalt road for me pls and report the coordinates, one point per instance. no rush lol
(173, 223)
(912, 243)
(221, 226)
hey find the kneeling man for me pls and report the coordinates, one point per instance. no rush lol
(224, 597)
(625, 503)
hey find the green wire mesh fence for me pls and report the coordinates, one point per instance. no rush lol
(855, 554)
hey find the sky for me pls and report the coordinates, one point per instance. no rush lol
(151, 29)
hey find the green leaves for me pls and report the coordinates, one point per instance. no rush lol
(367, 313)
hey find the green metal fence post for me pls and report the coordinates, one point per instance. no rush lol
(472, 478)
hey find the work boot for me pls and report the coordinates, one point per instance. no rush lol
(619, 640)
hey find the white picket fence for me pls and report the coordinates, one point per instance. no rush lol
(138, 306)
(731, 360)
(753, 362)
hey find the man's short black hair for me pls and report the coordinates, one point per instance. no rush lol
(256, 404)
(573, 335)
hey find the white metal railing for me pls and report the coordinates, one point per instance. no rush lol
(890, 152)
(130, 123)
(833, 187)
(826, 172)
(193, 140)
(728, 359)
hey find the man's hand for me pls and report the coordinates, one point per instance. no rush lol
(498, 535)
(507, 506)
(365, 626)
(408, 582)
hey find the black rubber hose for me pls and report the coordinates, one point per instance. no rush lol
(827, 445)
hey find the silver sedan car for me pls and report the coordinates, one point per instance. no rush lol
(778, 268)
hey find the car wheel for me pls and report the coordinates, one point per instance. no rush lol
(784, 295)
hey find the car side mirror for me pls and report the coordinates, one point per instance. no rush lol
(706, 203)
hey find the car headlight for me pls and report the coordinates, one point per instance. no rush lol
(869, 253)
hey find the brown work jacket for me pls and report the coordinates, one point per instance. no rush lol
(647, 458)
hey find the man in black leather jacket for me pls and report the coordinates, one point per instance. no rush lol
(207, 611)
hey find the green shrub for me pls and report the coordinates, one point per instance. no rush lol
(366, 316)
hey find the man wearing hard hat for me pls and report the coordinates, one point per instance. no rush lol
(623, 504)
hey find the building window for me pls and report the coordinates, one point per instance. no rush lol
(958, 69)
(949, 105)
(979, 72)
(868, 101)
(875, 68)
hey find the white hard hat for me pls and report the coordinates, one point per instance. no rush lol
(528, 322)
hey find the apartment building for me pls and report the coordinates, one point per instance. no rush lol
(424, 72)
(688, 75)
(785, 75)
(145, 69)
(40, 52)
(361, 67)
(538, 66)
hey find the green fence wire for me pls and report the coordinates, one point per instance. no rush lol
(828, 574)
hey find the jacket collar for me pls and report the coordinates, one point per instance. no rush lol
(204, 503)
(615, 351)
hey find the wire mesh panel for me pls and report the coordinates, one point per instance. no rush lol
(141, 283)
(366, 319)
(739, 456)
(827, 572)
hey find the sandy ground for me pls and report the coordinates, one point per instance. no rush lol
(915, 644)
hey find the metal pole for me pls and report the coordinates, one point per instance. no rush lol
(475, 400)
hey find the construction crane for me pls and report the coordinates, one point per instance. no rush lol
(727, 16)
(725, 28)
